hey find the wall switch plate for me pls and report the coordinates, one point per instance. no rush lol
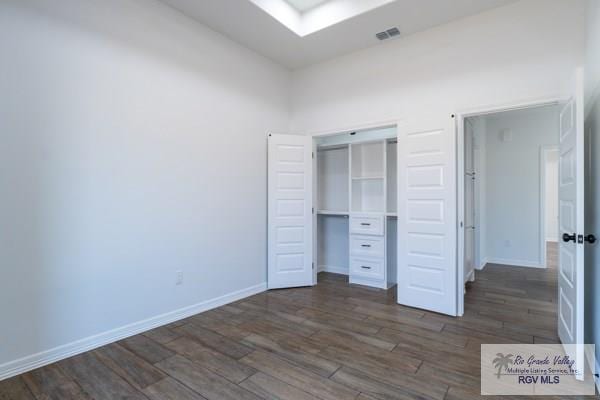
(179, 279)
(507, 243)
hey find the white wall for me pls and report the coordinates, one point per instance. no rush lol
(132, 145)
(592, 189)
(520, 52)
(514, 180)
(551, 196)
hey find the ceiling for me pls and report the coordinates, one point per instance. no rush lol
(305, 5)
(248, 24)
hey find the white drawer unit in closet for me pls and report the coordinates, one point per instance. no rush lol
(366, 225)
(364, 267)
(367, 246)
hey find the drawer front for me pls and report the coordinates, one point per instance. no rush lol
(366, 267)
(367, 246)
(366, 225)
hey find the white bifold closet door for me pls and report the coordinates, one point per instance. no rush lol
(290, 222)
(427, 230)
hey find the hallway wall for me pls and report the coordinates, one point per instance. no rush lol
(509, 184)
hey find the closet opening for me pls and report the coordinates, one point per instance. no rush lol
(355, 221)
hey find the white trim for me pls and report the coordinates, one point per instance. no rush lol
(515, 263)
(333, 269)
(31, 362)
(471, 277)
(460, 214)
(544, 150)
(460, 171)
(358, 127)
(483, 263)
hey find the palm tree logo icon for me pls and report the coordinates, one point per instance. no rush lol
(502, 361)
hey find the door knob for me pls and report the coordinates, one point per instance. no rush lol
(591, 239)
(567, 238)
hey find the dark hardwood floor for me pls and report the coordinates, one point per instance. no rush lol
(330, 342)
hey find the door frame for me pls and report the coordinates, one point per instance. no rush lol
(544, 150)
(332, 132)
(460, 176)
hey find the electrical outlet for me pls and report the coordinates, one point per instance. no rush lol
(179, 279)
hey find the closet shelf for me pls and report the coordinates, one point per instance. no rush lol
(364, 178)
(330, 212)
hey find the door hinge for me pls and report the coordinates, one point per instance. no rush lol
(313, 210)
(313, 265)
(313, 155)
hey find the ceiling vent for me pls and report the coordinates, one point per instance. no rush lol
(390, 33)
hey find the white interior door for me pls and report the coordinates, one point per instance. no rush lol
(571, 228)
(290, 247)
(427, 266)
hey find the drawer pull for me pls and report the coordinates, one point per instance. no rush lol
(365, 267)
(365, 245)
(365, 224)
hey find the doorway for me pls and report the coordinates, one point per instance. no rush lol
(510, 188)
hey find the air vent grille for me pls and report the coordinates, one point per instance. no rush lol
(393, 32)
(382, 36)
(387, 34)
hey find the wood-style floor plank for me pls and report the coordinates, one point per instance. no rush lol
(135, 370)
(378, 389)
(217, 362)
(270, 388)
(170, 389)
(306, 360)
(52, 383)
(162, 334)
(203, 381)
(15, 389)
(294, 375)
(98, 380)
(146, 348)
(212, 339)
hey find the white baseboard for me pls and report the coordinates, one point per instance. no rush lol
(470, 277)
(332, 269)
(515, 263)
(28, 363)
(484, 262)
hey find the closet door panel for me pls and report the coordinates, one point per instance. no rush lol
(427, 227)
(290, 211)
